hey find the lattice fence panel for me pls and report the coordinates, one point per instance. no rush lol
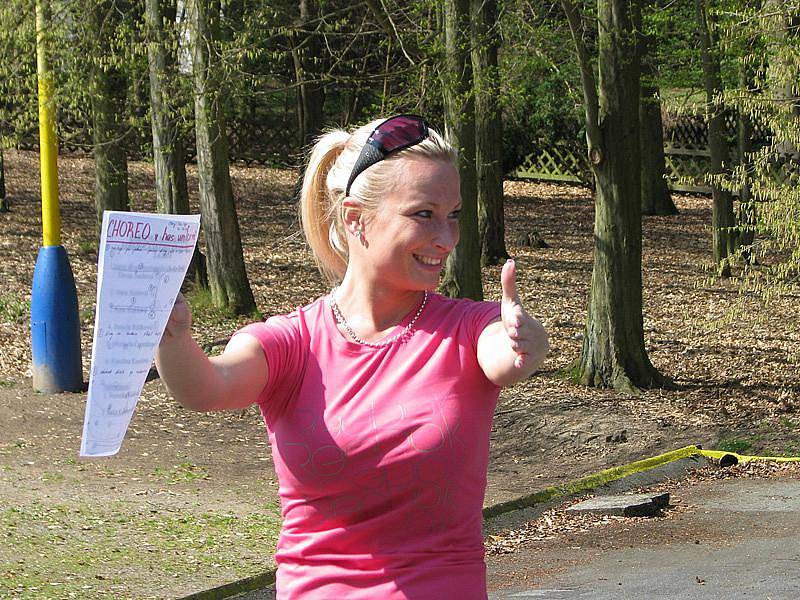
(685, 147)
(557, 163)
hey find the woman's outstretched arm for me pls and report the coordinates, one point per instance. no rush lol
(513, 348)
(232, 380)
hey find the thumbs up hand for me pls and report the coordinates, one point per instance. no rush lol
(523, 331)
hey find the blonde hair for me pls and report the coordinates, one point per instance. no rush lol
(329, 166)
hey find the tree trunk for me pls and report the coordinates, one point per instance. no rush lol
(613, 353)
(307, 59)
(746, 218)
(462, 275)
(172, 194)
(3, 200)
(723, 220)
(656, 199)
(109, 94)
(230, 288)
(488, 133)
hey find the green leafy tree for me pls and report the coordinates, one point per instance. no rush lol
(765, 38)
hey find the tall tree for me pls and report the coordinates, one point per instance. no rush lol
(783, 18)
(109, 84)
(613, 352)
(762, 36)
(172, 194)
(230, 288)
(723, 220)
(462, 275)
(488, 132)
(656, 199)
(307, 60)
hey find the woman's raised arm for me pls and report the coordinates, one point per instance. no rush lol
(232, 380)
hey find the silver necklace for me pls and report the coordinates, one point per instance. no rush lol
(406, 330)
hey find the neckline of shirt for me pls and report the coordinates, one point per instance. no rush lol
(342, 340)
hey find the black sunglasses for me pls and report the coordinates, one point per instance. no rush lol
(394, 134)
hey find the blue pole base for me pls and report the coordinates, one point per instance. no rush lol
(55, 326)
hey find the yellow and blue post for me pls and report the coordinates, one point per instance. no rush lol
(55, 326)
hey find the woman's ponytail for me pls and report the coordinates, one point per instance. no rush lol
(319, 207)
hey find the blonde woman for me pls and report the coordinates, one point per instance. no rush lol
(378, 397)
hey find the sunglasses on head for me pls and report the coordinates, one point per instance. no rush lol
(394, 134)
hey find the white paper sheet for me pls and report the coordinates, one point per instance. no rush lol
(142, 260)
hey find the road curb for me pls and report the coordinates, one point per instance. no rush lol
(228, 590)
(590, 481)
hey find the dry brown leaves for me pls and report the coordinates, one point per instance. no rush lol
(737, 376)
(556, 523)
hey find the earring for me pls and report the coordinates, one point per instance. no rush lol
(359, 234)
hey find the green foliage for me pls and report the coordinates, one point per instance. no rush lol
(734, 444)
(18, 109)
(541, 90)
(768, 47)
(12, 308)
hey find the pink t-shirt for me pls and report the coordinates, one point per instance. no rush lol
(381, 454)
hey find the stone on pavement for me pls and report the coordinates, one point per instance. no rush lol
(626, 505)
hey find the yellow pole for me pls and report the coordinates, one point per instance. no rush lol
(48, 144)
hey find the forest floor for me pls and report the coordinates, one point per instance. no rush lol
(191, 499)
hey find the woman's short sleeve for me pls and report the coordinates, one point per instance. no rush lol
(285, 351)
(479, 315)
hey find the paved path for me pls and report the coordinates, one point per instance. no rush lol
(739, 538)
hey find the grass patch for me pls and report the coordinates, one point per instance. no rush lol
(111, 551)
(53, 477)
(734, 444)
(13, 308)
(182, 473)
(203, 308)
(87, 247)
(792, 450)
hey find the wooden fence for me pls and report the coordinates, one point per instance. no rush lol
(686, 153)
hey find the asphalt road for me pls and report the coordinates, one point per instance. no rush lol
(737, 538)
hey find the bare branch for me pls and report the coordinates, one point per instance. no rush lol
(590, 99)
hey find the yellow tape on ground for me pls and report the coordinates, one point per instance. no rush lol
(742, 459)
(608, 475)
